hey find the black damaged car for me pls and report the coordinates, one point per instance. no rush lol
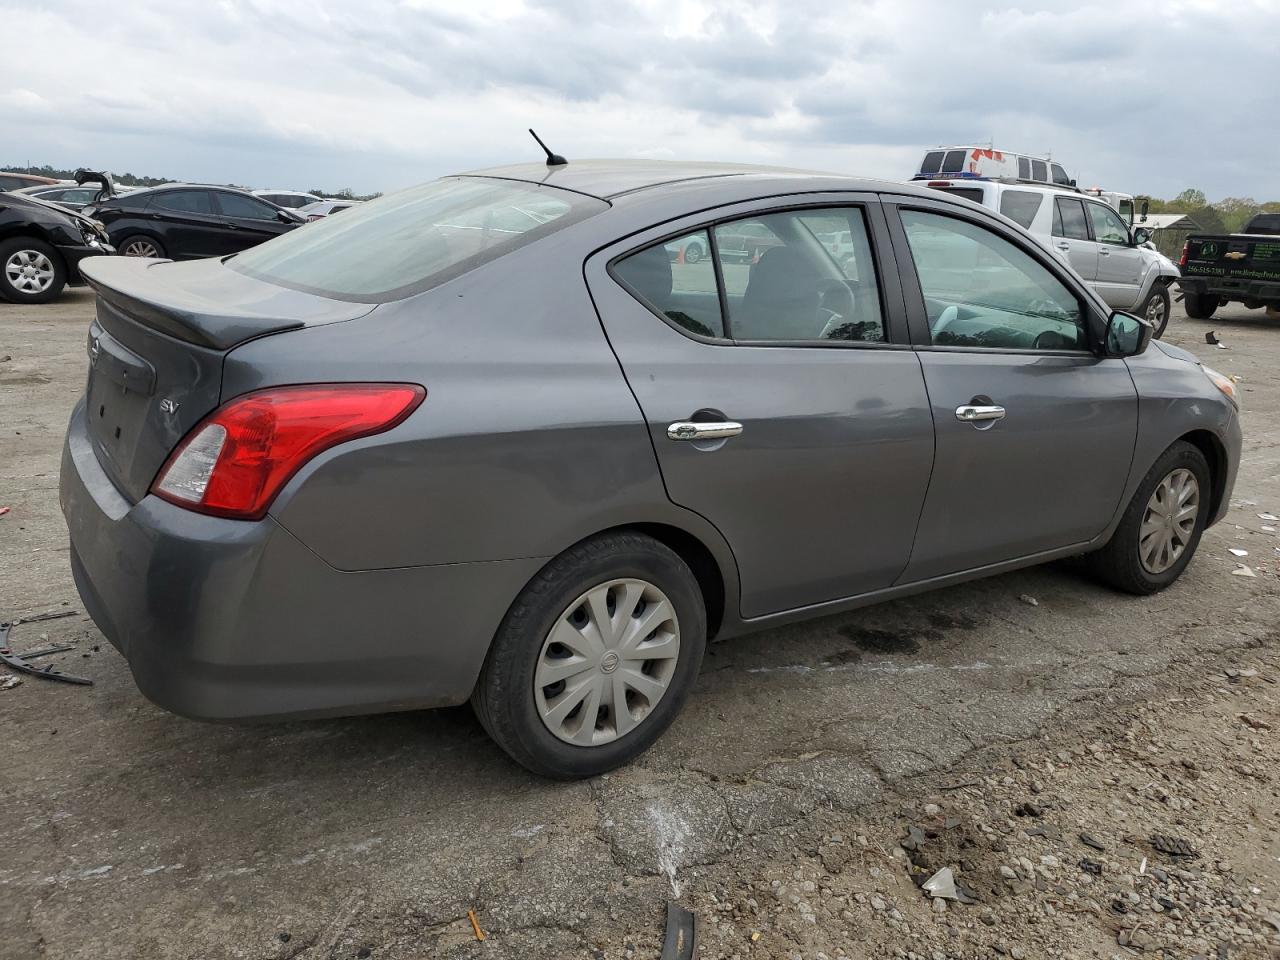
(41, 246)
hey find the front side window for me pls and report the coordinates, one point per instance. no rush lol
(1068, 219)
(1021, 206)
(1059, 175)
(184, 201)
(794, 276)
(980, 290)
(1107, 225)
(406, 242)
(234, 205)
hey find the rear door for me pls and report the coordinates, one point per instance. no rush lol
(187, 223)
(249, 221)
(781, 396)
(1035, 434)
(1119, 276)
(1072, 239)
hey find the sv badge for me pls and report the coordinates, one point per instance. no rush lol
(168, 407)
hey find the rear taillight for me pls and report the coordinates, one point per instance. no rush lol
(1182, 261)
(239, 457)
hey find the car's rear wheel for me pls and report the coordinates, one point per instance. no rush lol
(692, 253)
(31, 271)
(1161, 527)
(1156, 308)
(1200, 306)
(140, 245)
(595, 658)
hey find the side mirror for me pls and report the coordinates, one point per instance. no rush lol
(1140, 236)
(288, 216)
(1142, 210)
(1127, 335)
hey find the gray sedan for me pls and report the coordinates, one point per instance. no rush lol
(494, 438)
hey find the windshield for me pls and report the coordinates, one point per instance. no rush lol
(410, 241)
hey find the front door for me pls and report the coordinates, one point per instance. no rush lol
(780, 406)
(248, 220)
(1034, 432)
(1119, 262)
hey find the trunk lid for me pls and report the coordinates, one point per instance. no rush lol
(156, 348)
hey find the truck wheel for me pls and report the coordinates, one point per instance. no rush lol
(1156, 307)
(1200, 306)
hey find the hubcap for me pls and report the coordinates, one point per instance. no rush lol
(140, 248)
(1169, 521)
(29, 271)
(607, 662)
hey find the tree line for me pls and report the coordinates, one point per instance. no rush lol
(133, 180)
(1223, 216)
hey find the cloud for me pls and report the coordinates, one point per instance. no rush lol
(1145, 96)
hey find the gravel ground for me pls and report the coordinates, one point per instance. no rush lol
(986, 730)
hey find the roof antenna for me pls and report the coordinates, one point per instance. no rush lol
(553, 159)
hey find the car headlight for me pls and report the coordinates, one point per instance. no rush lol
(1223, 383)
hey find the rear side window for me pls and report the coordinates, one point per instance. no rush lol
(932, 162)
(796, 276)
(969, 193)
(1021, 206)
(953, 162)
(234, 205)
(184, 201)
(1068, 219)
(406, 242)
(1024, 168)
(1039, 171)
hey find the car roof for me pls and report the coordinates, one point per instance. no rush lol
(290, 193)
(607, 179)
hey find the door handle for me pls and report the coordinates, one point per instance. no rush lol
(1064, 247)
(692, 430)
(971, 413)
(1104, 252)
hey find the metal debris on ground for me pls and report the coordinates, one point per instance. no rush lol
(39, 617)
(475, 925)
(1211, 338)
(1173, 846)
(1244, 570)
(1090, 841)
(18, 661)
(682, 933)
(1269, 517)
(1237, 552)
(9, 682)
(1029, 600)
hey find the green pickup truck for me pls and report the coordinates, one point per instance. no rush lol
(1241, 267)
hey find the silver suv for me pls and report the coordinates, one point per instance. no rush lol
(1086, 232)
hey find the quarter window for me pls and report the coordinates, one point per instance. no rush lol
(1068, 219)
(1107, 225)
(1021, 206)
(677, 280)
(185, 201)
(980, 290)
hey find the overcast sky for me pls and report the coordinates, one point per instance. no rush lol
(1144, 96)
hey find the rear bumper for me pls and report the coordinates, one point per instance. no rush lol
(1229, 289)
(225, 619)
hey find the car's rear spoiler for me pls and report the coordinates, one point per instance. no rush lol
(108, 190)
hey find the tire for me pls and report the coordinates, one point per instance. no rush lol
(692, 253)
(142, 245)
(1200, 306)
(1120, 563)
(511, 705)
(1156, 307)
(31, 271)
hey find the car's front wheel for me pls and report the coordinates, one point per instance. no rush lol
(595, 658)
(1161, 527)
(1155, 309)
(31, 271)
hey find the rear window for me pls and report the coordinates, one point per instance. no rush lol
(1021, 206)
(1268, 223)
(953, 162)
(932, 162)
(407, 242)
(969, 193)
